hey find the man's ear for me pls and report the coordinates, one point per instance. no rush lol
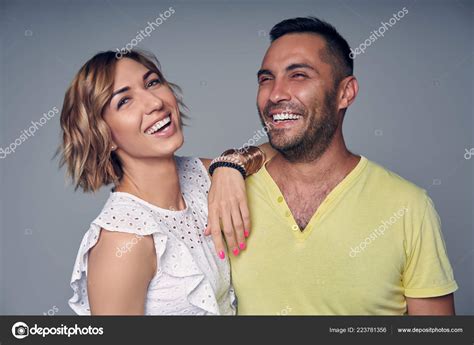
(349, 88)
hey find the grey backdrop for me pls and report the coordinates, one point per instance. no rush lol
(413, 113)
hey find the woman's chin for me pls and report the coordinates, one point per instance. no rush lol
(169, 147)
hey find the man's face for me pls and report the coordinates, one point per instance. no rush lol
(296, 98)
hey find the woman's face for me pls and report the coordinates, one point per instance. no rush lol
(143, 114)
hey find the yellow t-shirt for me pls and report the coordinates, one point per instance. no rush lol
(375, 239)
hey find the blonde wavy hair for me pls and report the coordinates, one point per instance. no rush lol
(86, 138)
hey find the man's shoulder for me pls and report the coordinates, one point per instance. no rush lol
(391, 185)
(258, 181)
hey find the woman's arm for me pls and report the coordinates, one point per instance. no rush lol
(269, 151)
(118, 284)
(228, 209)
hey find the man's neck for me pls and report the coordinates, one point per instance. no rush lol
(334, 164)
(306, 185)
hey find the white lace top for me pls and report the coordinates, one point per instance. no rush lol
(190, 278)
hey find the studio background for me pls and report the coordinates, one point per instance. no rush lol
(413, 113)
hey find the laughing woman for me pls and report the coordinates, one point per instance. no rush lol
(146, 252)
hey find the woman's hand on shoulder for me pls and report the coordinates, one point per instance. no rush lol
(228, 211)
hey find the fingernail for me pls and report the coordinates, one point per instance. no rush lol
(242, 245)
(222, 254)
(236, 251)
(246, 233)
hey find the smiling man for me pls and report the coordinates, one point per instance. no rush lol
(332, 232)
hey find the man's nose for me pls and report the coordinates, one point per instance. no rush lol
(280, 92)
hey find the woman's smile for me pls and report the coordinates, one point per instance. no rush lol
(162, 129)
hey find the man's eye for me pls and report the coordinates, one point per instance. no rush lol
(153, 83)
(263, 79)
(299, 75)
(122, 102)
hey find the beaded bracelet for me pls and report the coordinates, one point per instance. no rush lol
(230, 159)
(218, 164)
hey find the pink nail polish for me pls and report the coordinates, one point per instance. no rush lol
(242, 245)
(222, 255)
(236, 251)
(246, 233)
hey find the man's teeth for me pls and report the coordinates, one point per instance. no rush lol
(285, 116)
(157, 126)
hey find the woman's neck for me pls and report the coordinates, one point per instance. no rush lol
(154, 180)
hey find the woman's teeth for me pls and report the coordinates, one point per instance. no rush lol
(285, 116)
(159, 125)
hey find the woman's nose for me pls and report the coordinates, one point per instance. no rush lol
(152, 103)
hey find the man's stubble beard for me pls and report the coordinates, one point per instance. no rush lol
(314, 141)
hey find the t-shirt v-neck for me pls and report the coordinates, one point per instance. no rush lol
(278, 199)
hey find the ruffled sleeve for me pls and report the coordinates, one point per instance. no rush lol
(175, 263)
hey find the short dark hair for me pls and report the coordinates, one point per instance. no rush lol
(337, 49)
